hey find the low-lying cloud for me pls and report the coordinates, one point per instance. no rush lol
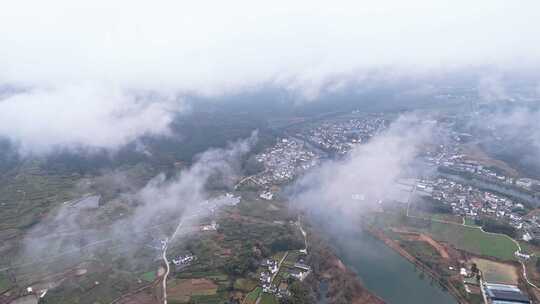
(44, 120)
(148, 214)
(513, 135)
(367, 175)
(56, 48)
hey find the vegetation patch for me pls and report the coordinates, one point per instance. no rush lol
(149, 276)
(4, 282)
(180, 290)
(268, 299)
(252, 297)
(245, 284)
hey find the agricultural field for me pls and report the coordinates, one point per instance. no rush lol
(268, 299)
(445, 217)
(244, 284)
(465, 238)
(496, 272)
(291, 258)
(183, 290)
(25, 197)
(251, 298)
(4, 282)
(473, 240)
(149, 276)
(469, 221)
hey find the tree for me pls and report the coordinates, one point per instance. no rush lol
(474, 268)
(286, 243)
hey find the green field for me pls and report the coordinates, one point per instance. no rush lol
(149, 276)
(4, 282)
(462, 237)
(216, 298)
(268, 299)
(253, 295)
(292, 257)
(245, 284)
(473, 240)
(470, 222)
(437, 216)
(496, 272)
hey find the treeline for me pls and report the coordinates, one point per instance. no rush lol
(494, 226)
(431, 205)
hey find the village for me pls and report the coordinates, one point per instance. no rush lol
(288, 158)
(340, 136)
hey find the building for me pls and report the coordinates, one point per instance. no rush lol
(266, 195)
(299, 275)
(504, 294)
(212, 227)
(522, 255)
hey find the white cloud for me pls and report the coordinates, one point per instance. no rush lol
(369, 172)
(162, 200)
(210, 47)
(42, 120)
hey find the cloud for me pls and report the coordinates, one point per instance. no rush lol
(151, 212)
(208, 46)
(212, 48)
(43, 120)
(368, 174)
(491, 88)
(189, 188)
(515, 136)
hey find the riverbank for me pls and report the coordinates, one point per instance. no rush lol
(394, 245)
(343, 283)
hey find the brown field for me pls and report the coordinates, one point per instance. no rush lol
(440, 249)
(425, 238)
(182, 290)
(142, 297)
(497, 272)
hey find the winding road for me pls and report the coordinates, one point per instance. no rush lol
(164, 253)
(167, 270)
(523, 266)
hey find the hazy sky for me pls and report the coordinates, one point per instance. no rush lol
(109, 49)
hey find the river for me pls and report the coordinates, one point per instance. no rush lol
(508, 191)
(385, 273)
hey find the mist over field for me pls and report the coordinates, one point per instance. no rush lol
(78, 228)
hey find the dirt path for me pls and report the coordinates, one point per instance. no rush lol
(523, 266)
(440, 249)
(425, 238)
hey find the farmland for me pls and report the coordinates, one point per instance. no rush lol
(473, 240)
(496, 272)
(469, 239)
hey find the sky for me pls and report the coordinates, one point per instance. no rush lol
(86, 68)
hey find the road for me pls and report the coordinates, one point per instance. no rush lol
(251, 177)
(299, 223)
(279, 266)
(195, 214)
(523, 266)
(167, 270)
